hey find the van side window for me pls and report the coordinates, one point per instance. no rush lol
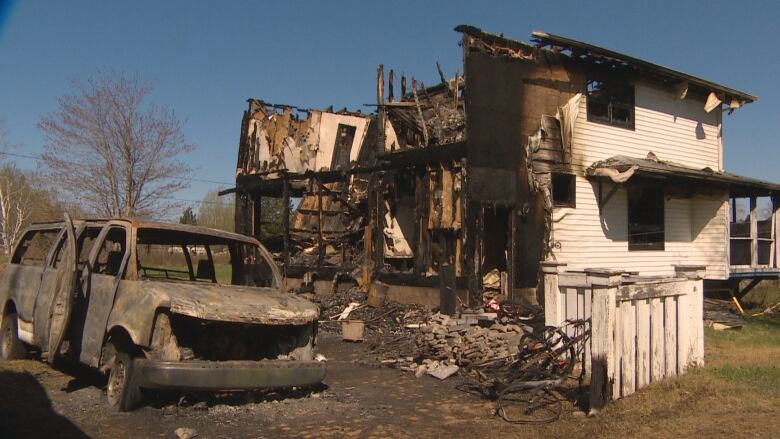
(34, 246)
(112, 252)
(85, 243)
(60, 252)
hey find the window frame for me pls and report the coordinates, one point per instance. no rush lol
(97, 247)
(17, 258)
(571, 189)
(611, 102)
(645, 246)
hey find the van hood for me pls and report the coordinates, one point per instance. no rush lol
(231, 303)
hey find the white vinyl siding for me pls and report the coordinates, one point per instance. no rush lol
(695, 228)
(664, 125)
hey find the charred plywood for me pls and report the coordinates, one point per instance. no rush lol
(278, 138)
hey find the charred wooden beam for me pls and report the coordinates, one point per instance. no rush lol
(257, 216)
(420, 113)
(320, 241)
(381, 112)
(286, 223)
(390, 81)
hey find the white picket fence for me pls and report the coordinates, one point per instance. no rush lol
(642, 329)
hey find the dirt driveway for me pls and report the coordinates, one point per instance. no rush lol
(362, 400)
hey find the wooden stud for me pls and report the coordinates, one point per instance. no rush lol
(670, 336)
(553, 306)
(390, 80)
(603, 374)
(257, 216)
(657, 363)
(587, 294)
(628, 348)
(381, 110)
(618, 349)
(696, 321)
(445, 222)
(320, 240)
(286, 223)
(683, 336)
(570, 310)
(423, 124)
(642, 343)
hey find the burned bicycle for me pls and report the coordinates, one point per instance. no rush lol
(524, 385)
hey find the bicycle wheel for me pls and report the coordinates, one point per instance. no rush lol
(529, 406)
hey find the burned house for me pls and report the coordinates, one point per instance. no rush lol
(554, 150)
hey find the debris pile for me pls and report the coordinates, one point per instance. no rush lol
(389, 321)
(722, 314)
(470, 339)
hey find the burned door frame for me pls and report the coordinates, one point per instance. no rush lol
(45, 296)
(61, 306)
(476, 246)
(26, 280)
(45, 292)
(100, 295)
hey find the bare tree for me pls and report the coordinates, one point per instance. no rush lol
(217, 212)
(15, 206)
(109, 150)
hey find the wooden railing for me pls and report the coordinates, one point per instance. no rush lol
(642, 330)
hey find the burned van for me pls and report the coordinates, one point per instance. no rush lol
(156, 305)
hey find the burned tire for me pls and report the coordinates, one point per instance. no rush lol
(122, 393)
(11, 348)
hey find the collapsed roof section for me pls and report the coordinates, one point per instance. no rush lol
(606, 61)
(424, 116)
(599, 55)
(283, 138)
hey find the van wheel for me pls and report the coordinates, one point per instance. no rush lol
(11, 348)
(122, 393)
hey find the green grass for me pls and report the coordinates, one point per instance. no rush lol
(762, 379)
(747, 358)
(760, 331)
(224, 274)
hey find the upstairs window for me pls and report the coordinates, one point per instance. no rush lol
(645, 218)
(611, 102)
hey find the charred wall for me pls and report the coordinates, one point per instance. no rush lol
(508, 93)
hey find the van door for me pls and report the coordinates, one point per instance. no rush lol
(49, 280)
(99, 282)
(22, 277)
(64, 293)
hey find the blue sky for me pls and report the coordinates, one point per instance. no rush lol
(207, 58)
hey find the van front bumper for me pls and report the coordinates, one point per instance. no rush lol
(227, 375)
